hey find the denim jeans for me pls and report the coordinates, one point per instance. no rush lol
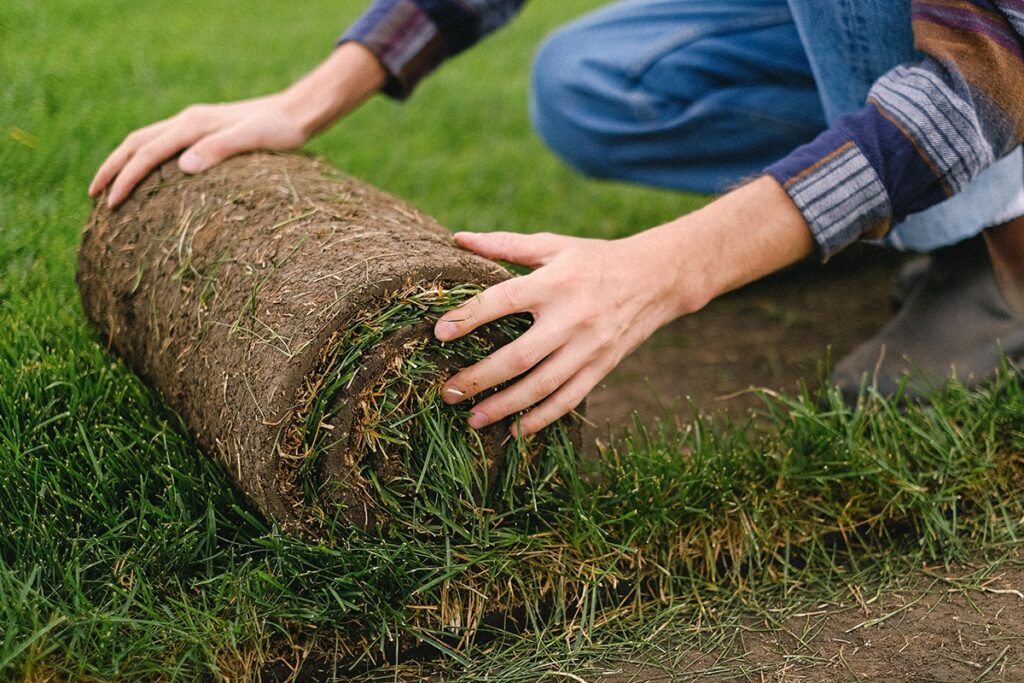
(702, 94)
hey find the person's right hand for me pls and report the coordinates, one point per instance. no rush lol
(210, 133)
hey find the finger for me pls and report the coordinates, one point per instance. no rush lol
(148, 157)
(213, 149)
(517, 295)
(546, 379)
(116, 160)
(109, 168)
(509, 361)
(560, 403)
(531, 251)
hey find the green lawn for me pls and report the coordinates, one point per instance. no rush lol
(126, 555)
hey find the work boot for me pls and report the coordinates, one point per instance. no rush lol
(908, 279)
(954, 324)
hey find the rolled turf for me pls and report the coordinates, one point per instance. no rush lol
(285, 312)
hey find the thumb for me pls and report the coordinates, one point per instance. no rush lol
(211, 150)
(532, 251)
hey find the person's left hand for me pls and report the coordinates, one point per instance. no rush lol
(592, 302)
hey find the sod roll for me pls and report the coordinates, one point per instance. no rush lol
(285, 312)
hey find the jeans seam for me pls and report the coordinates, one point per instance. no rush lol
(854, 38)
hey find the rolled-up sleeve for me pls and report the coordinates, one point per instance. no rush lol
(411, 38)
(927, 130)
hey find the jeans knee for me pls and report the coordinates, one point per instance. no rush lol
(561, 102)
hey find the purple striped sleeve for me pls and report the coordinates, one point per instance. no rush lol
(411, 38)
(927, 131)
(856, 179)
(405, 40)
(836, 189)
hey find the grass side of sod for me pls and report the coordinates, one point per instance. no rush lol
(123, 554)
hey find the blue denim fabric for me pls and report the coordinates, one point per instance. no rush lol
(699, 95)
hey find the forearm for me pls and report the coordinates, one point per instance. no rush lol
(742, 236)
(340, 84)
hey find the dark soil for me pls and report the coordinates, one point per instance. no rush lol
(773, 334)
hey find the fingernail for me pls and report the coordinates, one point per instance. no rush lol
(478, 420)
(444, 330)
(190, 162)
(452, 395)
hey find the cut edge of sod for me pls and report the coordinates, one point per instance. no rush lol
(370, 441)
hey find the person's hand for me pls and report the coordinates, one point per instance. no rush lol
(592, 302)
(209, 134)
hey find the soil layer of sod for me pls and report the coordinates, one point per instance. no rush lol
(286, 312)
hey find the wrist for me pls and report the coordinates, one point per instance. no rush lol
(757, 229)
(740, 237)
(667, 271)
(340, 84)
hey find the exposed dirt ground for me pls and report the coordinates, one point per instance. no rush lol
(775, 334)
(772, 334)
(932, 631)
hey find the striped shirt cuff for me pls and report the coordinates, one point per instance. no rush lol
(405, 40)
(838, 192)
